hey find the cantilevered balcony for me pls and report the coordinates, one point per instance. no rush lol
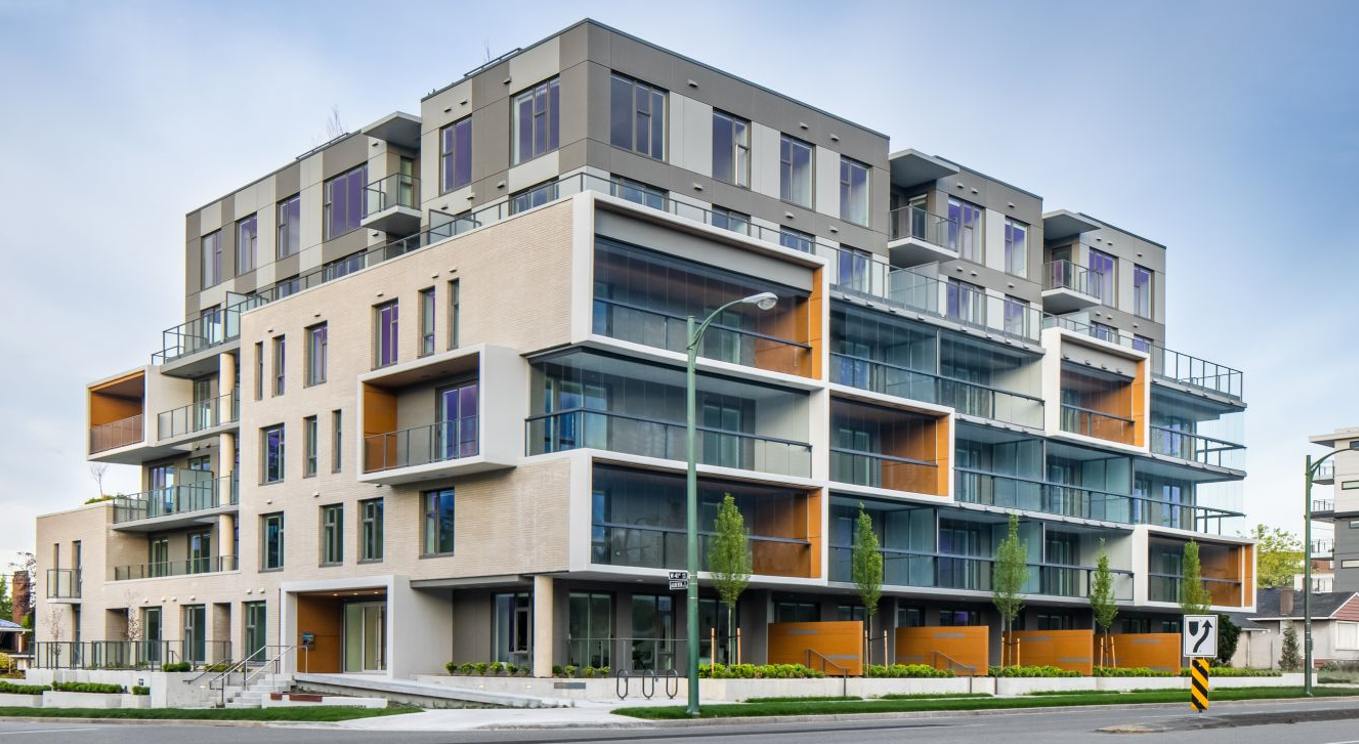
(1224, 570)
(199, 419)
(198, 499)
(190, 349)
(1069, 288)
(1099, 403)
(165, 569)
(919, 237)
(63, 585)
(889, 448)
(1325, 474)
(392, 205)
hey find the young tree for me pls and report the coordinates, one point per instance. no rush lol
(1194, 597)
(1008, 574)
(728, 560)
(97, 472)
(1278, 556)
(1289, 660)
(134, 619)
(1103, 604)
(866, 565)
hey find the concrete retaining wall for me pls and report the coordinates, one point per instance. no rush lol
(168, 689)
(20, 701)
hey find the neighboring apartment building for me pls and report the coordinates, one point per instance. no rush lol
(1335, 552)
(428, 404)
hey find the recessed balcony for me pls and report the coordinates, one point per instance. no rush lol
(1068, 288)
(392, 205)
(190, 349)
(117, 416)
(889, 448)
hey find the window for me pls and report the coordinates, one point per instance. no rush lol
(1104, 332)
(636, 191)
(336, 441)
(534, 197)
(316, 354)
(1141, 292)
(342, 267)
(535, 121)
(1349, 564)
(289, 226)
(910, 617)
(385, 316)
(795, 239)
(966, 302)
(310, 434)
(1354, 524)
(796, 612)
(280, 364)
(428, 310)
(1105, 279)
(965, 229)
(731, 149)
(271, 541)
(795, 172)
(439, 522)
(247, 239)
(1347, 636)
(1016, 247)
(1349, 485)
(853, 191)
(1142, 343)
(637, 117)
(454, 313)
(1016, 316)
(212, 259)
(273, 453)
(332, 534)
(729, 219)
(950, 617)
(854, 268)
(370, 532)
(343, 202)
(455, 155)
(259, 370)
(289, 286)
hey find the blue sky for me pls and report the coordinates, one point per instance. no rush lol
(1228, 131)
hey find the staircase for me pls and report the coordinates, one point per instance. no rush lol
(253, 695)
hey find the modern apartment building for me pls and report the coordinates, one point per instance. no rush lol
(428, 400)
(1335, 546)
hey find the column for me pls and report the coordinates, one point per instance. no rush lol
(544, 633)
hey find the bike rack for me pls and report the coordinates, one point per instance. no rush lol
(622, 685)
(652, 676)
(670, 675)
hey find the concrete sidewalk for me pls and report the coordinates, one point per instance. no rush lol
(583, 715)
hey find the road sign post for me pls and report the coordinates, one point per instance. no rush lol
(1198, 634)
(1198, 684)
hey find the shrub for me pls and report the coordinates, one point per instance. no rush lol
(140, 690)
(95, 687)
(525, 670)
(220, 666)
(751, 671)
(569, 670)
(588, 671)
(1130, 672)
(1032, 671)
(906, 670)
(177, 666)
(5, 663)
(480, 667)
(510, 668)
(12, 689)
(467, 668)
(558, 671)
(1217, 671)
(602, 671)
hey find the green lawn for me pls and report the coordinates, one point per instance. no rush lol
(910, 705)
(317, 713)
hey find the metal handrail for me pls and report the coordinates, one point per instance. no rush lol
(952, 662)
(223, 680)
(844, 671)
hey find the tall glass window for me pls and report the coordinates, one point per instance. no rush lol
(343, 201)
(730, 219)
(853, 191)
(795, 171)
(731, 149)
(455, 155)
(535, 120)
(385, 339)
(438, 535)
(336, 440)
(1105, 280)
(796, 239)
(965, 229)
(332, 534)
(289, 226)
(1016, 316)
(636, 191)
(457, 416)
(454, 312)
(247, 239)
(854, 269)
(212, 259)
(637, 117)
(428, 312)
(316, 354)
(370, 536)
(1016, 247)
(533, 197)
(273, 453)
(1141, 292)
(280, 364)
(311, 433)
(966, 302)
(271, 541)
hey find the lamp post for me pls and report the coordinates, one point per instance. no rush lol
(1307, 566)
(763, 301)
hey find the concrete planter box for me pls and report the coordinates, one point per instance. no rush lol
(1010, 686)
(80, 700)
(8, 700)
(135, 701)
(1124, 684)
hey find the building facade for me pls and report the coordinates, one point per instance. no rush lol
(428, 400)
(1335, 540)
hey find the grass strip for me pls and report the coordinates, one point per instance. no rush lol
(854, 699)
(738, 710)
(284, 713)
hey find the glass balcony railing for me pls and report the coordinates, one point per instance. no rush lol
(1196, 448)
(1323, 547)
(664, 547)
(422, 445)
(884, 471)
(202, 495)
(1324, 472)
(1166, 364)
(911, 290)
(396, 190)
(1063, 274)
(914, 222)
(208, 331)
(973, 573)
(634, 435)
(1099, 424)
(1323, 505)
(63, 583)
(199, 416)
(968, 398)
(116, 434)
(193, 566)
(1164, 587)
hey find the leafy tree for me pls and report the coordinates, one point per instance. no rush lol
(729, 559)
(1103, 603)
(1008, 574)
(866, 565)
(1278, 556)
(1289, 660)
(1228, 633)
(1194, 597)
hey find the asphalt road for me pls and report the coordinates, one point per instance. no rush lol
(1322, 722)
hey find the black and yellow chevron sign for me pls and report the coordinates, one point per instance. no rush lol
(1198, 686)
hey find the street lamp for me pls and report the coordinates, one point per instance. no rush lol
(1307, 566)
(763, 301)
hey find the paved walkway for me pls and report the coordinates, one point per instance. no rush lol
(583, 715)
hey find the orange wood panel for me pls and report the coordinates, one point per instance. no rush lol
(1153, 650)
(943, 447)
(324, 617)
(1067, 649)
(816, 332)
(814, 532)
(967, 645)
(841, 642)
(1247, 574)
(1139, 404)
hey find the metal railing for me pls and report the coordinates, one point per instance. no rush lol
(1063, 274)
(635, 435)
(1166, 364)
(914, 568)
(908, 289)
(914, 222)
(968, 398)
(625, 655)
(950, 663)
(63, 583)
(184, 498)
(192, 566)
(116, 434)
(205, 332)
(269, 659)
(1325, 472)
(1165, 587)
(877, 470)
(1323, 505)
(199, 416)
(1099, 424)
(646, 546)
(1323, 547)
(396, 190)
(122, 654)
(422, 445)
(1196, 447)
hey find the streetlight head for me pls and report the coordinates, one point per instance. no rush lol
(763, 300)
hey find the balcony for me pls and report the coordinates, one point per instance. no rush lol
(63, 585)
(970, 399)
(189, 349)
(919, 237)
(116, 434)
(888, 448)
(1164, 587)
(1323, 548)
(183, 505)
(907, 568)
(664, 548)
(445, 441)
(1098, 424)
(199, 419)
(1069, 288)
(1325, 474)
(392, 205)
(1196, 448)
(191, 567)
(917, 291)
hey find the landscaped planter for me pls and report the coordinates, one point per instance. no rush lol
(51, 699)
(134, 701)
(20, 701)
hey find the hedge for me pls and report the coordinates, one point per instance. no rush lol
(1031, 671)
(12, 689)
(764, 671)
(906, 670)
(1218, 671)
(178, 666)
(492, 668)
(140, 690)
(95, 687)
(1130, 672)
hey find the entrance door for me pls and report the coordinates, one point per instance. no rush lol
(365, 637)
(255, 628)
(151, 636)
(513, 628)
(200, 552)
(457, 418)
(195, 630)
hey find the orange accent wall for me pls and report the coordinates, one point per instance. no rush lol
(1140, 396)
(1247, 574)
(107, 407)
(814, 532)
(1154, 650)
(943, 451)
(816, 336)
(969, 645)
(379, 417)
(324, 617)
(1067, 649)
(1220, 563)
(841, 642)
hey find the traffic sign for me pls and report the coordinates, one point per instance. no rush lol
(1198, 685)
(1199, 633)
(679, 581)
